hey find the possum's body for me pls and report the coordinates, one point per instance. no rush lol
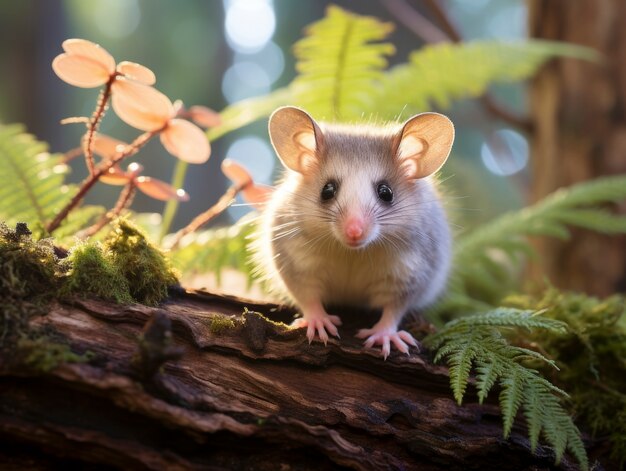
(416, 268)
(357, 220)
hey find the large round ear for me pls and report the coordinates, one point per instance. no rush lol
(297, 138)
(424, 144)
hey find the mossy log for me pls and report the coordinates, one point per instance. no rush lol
(206, 382)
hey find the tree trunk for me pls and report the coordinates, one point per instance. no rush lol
(196, 384)
(579, 116)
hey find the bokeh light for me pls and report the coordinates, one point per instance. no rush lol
(505, 152)
(249, 24)
(271, 57)
(245, 80)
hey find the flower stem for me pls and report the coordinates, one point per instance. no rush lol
(222, 204)
(178, 181)
(129, 150)
(94, 122)
(124, 201)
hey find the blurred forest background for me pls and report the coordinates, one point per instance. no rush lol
(218, 52)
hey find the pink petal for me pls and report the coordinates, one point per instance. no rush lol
(93, 51)
(139, 105)
(106, 146)
(205, 117)
(236, 172)
(160, 190)
(80, 71)
(137, 72)
(186, 141)
(115, 176)
(257, 193)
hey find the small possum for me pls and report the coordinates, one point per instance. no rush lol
(357, 220)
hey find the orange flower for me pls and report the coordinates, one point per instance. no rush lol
(106, 147)
(152, 187)
(86, 64)
(203, 116)
(239, 175)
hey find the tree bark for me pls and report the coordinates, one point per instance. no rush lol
(579, 116)
(183, 387)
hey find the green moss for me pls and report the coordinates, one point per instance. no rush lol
(28, 269)
(591, 358)
(91, 271)
(220, 324)
(43, 354)
(144, 266)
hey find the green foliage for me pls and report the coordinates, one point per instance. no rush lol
(213, 250)
(91, 271)
(486, 258)
(144, 266)
(476, 342)
(28, 268)
(438, 74)
(32, 184)
(591, 357)
(339, 62)
(43, 354)
(343, 75)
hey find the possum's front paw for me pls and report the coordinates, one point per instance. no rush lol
(316, 321)
(387, 336)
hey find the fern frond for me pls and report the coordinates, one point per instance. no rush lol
(339, 61)
(213, 250)
(486, 376)
(511, 317)
(476, 342)
(501, 242)
(32, 182)
(460, 362)
(444, 72)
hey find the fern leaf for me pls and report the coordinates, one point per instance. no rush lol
(575, 445)
(443, 72)
(509, 317)
(534, 415)
(511, 397)
(460, 363)
(550, 217)
(339, 61)
(32, 183)
(486, 375)
(26, 167)
(210, 251)
(598, 220)
(475, 341)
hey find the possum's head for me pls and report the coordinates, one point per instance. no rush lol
(359, 182)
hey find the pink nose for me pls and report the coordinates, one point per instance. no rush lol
(354, 229)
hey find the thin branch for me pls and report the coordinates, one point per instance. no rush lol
(94, 122)
(128, 151)
(222, 204)
(444, 20)
(124, 201)
(415, 21)
(72, 154)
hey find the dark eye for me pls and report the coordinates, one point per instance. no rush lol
(385, 193)
(329, 191)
